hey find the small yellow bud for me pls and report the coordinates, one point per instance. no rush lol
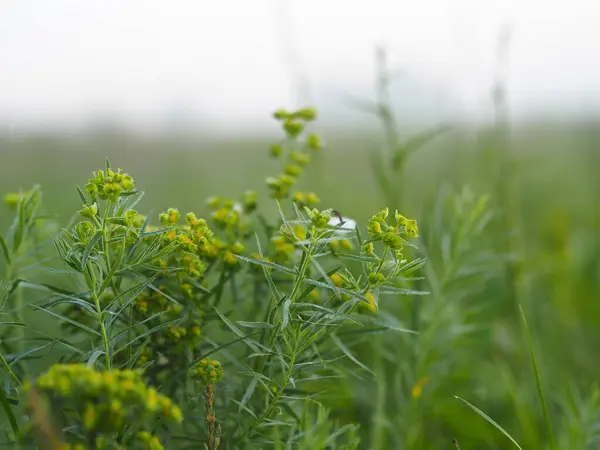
(307, 114)
(276, 150)
(292, 128)
(281, 114)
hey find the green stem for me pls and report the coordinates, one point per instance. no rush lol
(91, 285)
(9, 370)
(19, 333)
(276, 398)
(102, 330)
(378, 441)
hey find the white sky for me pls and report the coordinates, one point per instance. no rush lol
(62, 60)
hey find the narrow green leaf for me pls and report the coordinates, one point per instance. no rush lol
(248, 394)
(82, 195)
(254, 324)
(381, 328)
(25, 354)
(390, 290)
(94, 357)
(415, 143)
(155, 233)
(9, 412)
(147, 333)
(243, 407)
(359, 258)
(20, 226)
(286, 313)
(5, 251)
(115, 266)
(264, 263)
(489, 420)
(9, 370)
(221, 347)
(135, 357)
(270, 282)
(336, 289)
(350, 356)
(325, 277)
(538, 382)
(412, 266)
(48, 287)
(308, 290)
(60, 341)
(66, 319)
(313, 306)
(235, 329)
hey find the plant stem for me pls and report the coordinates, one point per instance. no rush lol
(276, 398)
(102, 330)
(214, 434)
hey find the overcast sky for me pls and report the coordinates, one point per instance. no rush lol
(62, 60)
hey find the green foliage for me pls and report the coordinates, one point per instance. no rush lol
(155, 314)
(382, 352)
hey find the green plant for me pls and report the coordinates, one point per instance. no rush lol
(219, 332)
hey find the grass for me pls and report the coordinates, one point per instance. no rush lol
(470, 342)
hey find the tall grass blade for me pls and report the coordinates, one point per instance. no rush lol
(490, 420)
(538, 382)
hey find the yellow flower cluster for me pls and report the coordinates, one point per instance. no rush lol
(293, 123)
(209, 371)
(109, 184)
(12, 199)
(391, 235)
(106, 402)
(195, 241)
(342, 244)
(308, 199)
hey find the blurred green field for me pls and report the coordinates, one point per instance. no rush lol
(558, 198)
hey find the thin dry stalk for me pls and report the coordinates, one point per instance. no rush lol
(41, 420)
(214, 433)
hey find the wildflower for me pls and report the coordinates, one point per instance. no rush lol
(214, 202)
(345, 244)
(109, 184)
(170, 217)
(276, 150)
(89, 210)
(309, 199)
(281, 114)
(131, 217)
(314, 294)
(293, 170)
(250, 201)
(307, 114)
(278, 190)
(313, 142)
(292, 127)
(393, 241)
(12, 199)
(337, 279)
(376, 278)
(300, 158)
(207, 371)
(105, 401)
(319, 219)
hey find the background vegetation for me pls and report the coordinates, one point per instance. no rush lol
(471, 342)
